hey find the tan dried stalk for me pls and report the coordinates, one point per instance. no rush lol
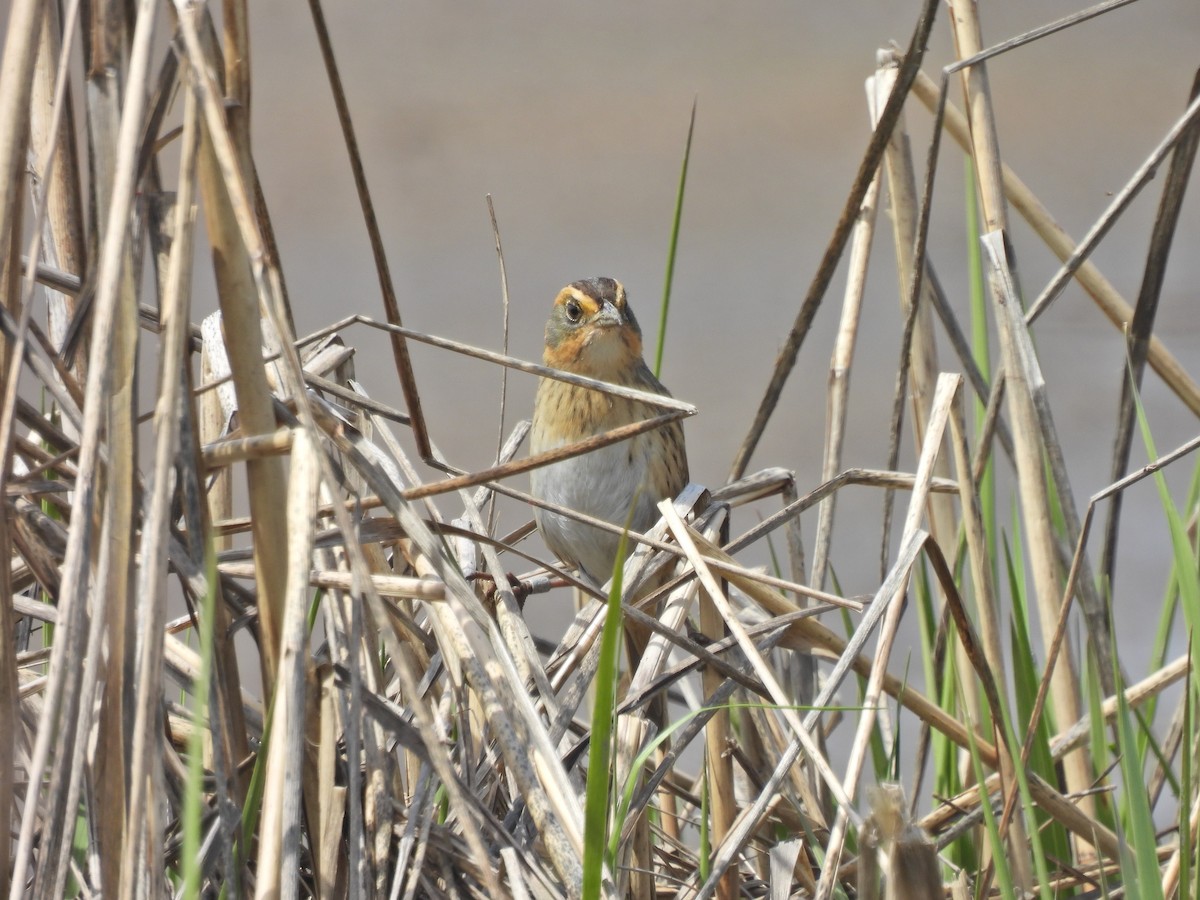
(279, 836)
(988, 613)
(1118, 310)
(718, 766)
(824, 274)
(837, 400)
(147, 737)
(64, 246)
(212, 423)
(923, 365)
(70, 685)
(431, 747)
(16, 86)
(1035, 504)
(226, 211)
(922, 350)
(939, 413)
(120, 500)
(16, 81)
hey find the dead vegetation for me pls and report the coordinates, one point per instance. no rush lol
(411, 737)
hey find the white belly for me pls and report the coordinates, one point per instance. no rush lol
(602, 484)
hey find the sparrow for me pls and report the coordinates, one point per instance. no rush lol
(592, 331)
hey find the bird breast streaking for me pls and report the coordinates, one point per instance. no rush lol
(592, 331)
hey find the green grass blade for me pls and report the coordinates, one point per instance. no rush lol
(1185, 786)
(625, 800)
(981, 352)
(1101, 749)
(666, 300)
(1181, 543)
(1045, 835)
(1166, 630)
(194, 788)
(254, 793)
(599, 773)
(1139, 857)
(999, 852)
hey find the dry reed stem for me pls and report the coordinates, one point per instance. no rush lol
(53, 141)
(1141, 328)
(431, 748)
(939, 413)
(229, 742)
(786, 359)
(1139, 179)
(9, 700)
(837, 397)
(910, 224)
(718, 766)
(17, 76)
(237, 252)
(117, 795)
(279, 844)
(16, 87)
(1135, 695)
(922, 350)
(404, 369)
(387, 585)
(1039, 533)
(152, 582)
(988, 616)
(1110, 301)
(718, 762)
(69, 682)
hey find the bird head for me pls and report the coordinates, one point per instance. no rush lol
(592, 330)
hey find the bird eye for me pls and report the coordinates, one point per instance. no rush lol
(573, 310)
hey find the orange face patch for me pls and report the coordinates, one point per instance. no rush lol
(582, 301)
(592, 330)
(588, 303)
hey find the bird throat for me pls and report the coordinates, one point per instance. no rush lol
(609, 354)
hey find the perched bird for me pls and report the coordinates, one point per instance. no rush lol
(592, 331)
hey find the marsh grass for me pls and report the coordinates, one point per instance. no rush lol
(352, 703)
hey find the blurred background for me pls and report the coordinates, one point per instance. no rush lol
(573, 116)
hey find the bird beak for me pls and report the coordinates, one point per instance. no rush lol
(608, 316)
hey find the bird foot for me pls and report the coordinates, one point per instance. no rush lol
(521, 589)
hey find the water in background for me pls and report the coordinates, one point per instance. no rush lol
(573, 116)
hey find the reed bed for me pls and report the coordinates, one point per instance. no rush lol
(322, 683)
